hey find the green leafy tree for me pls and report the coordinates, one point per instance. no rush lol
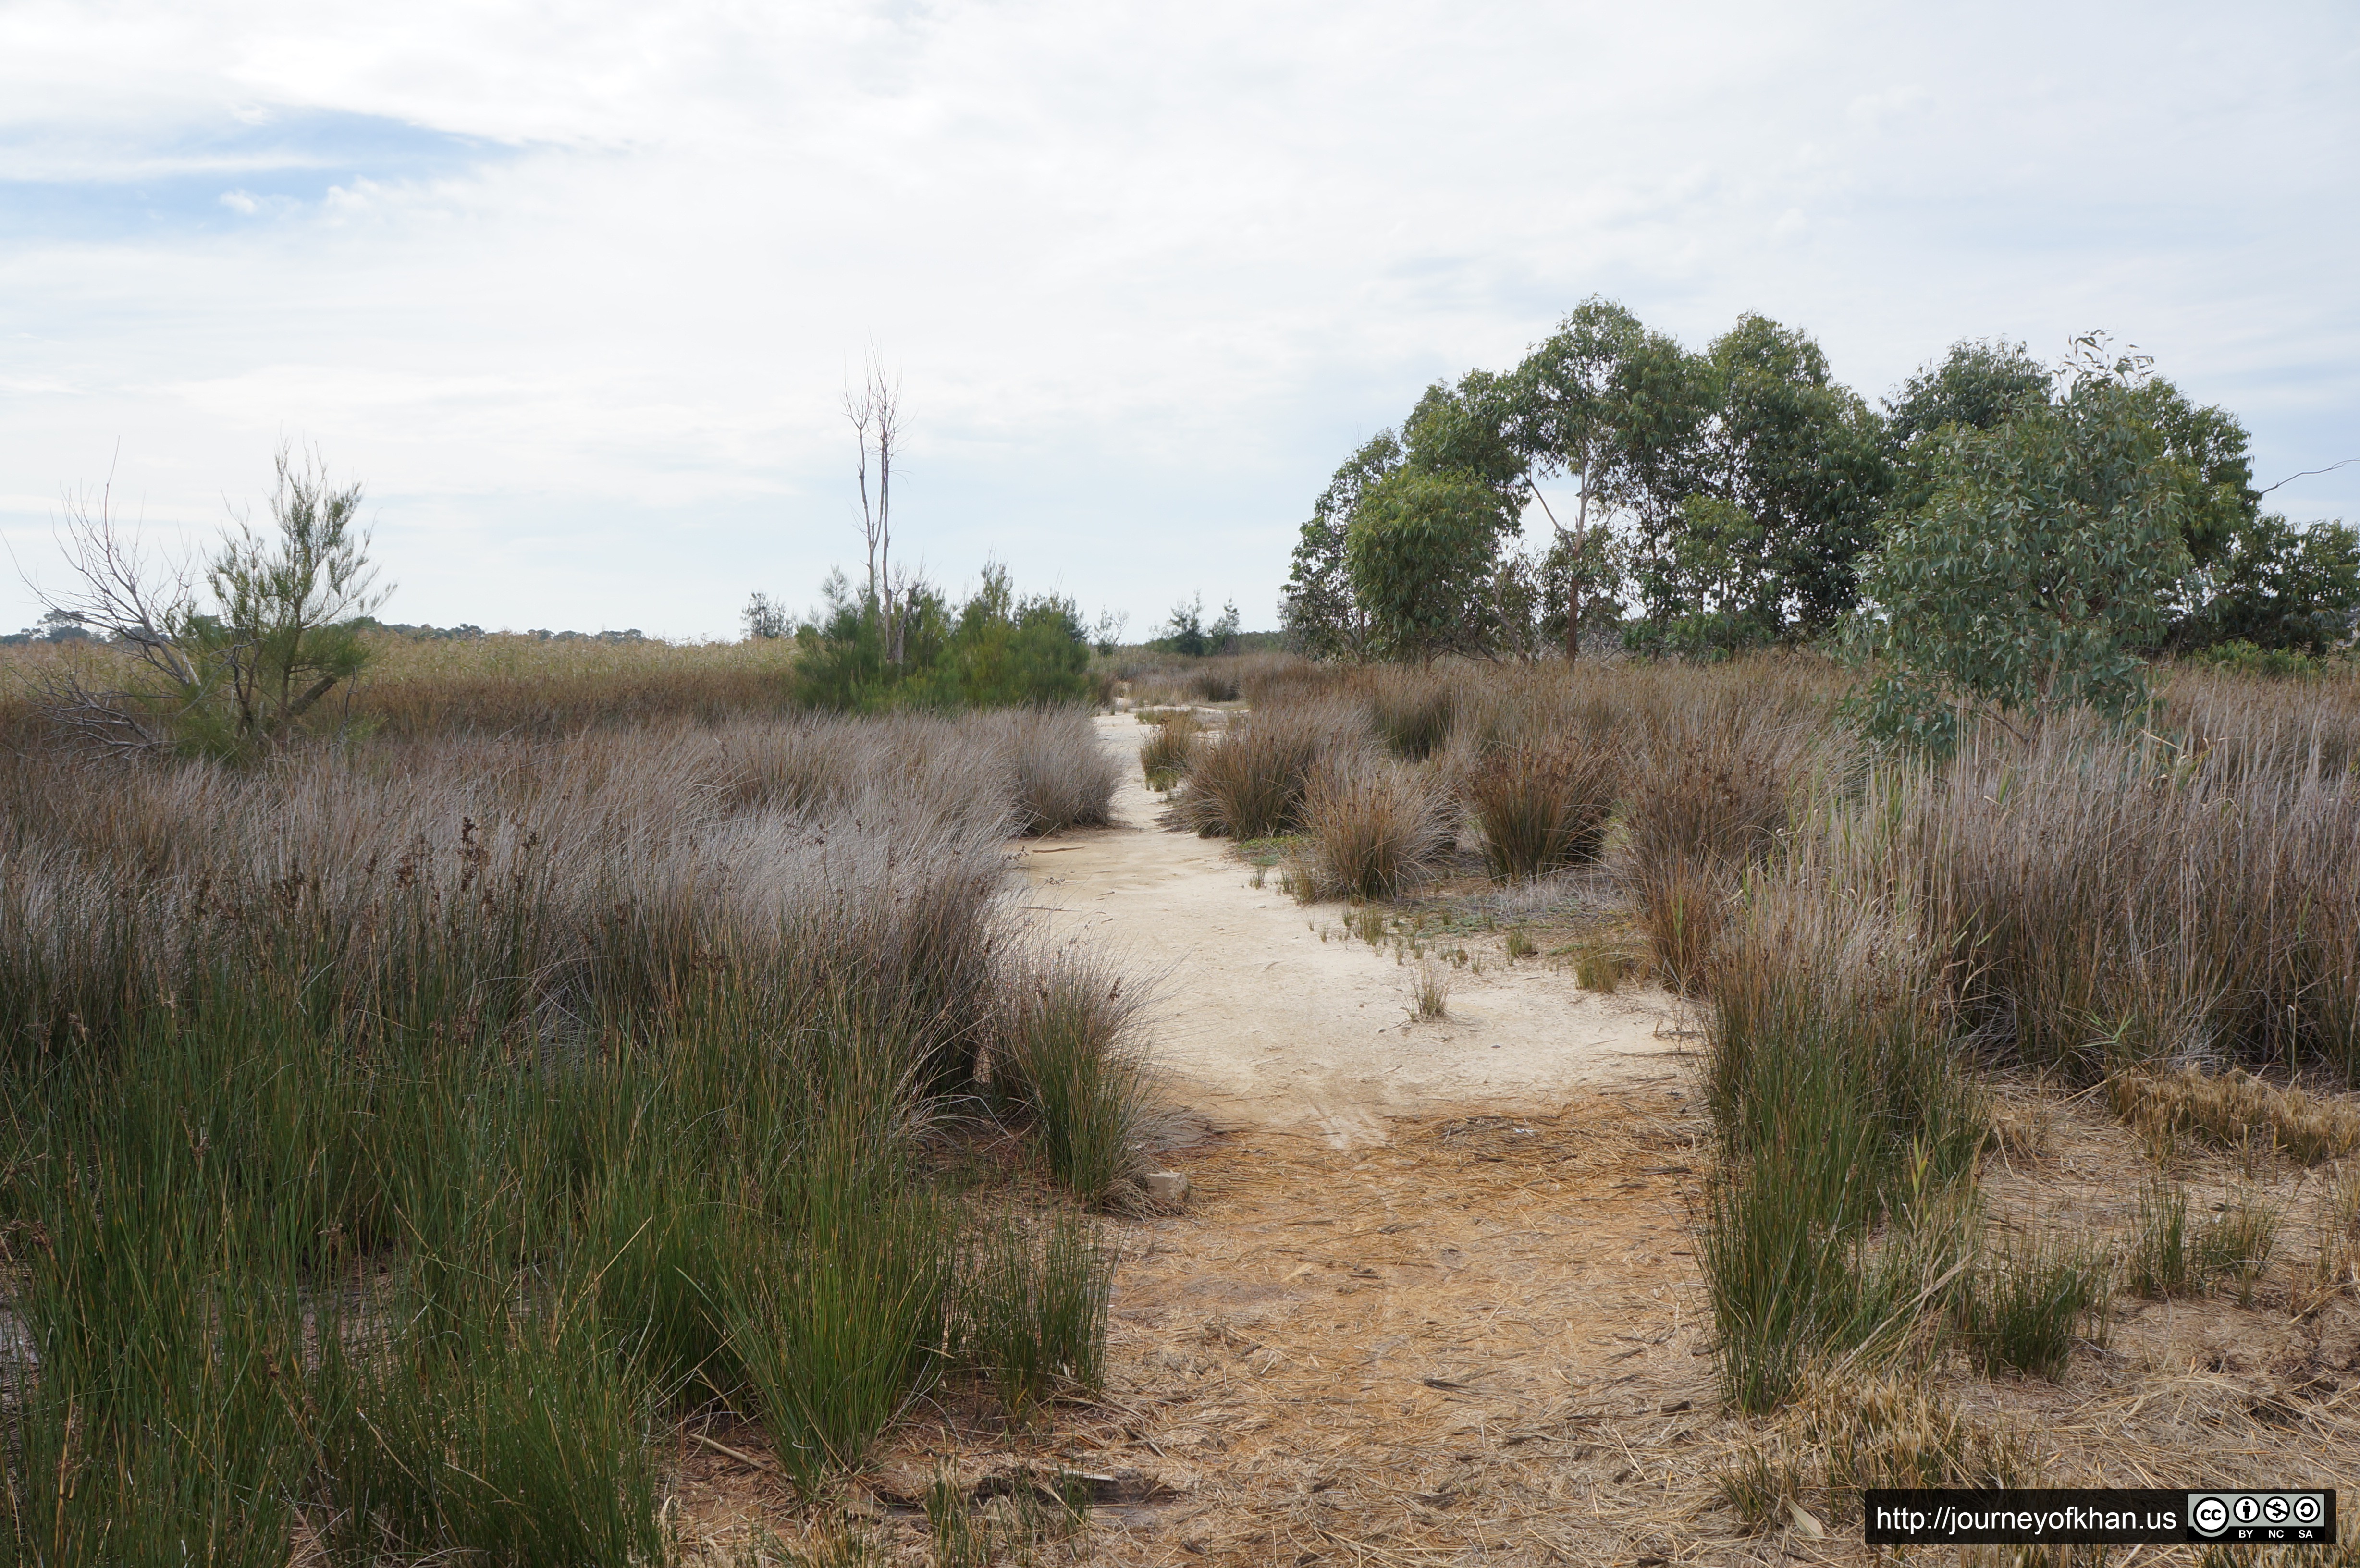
(1708, 601)
(1422, 550)
(999, 650)
(1804, 459)
(1618, 410)
(1317, 608)
(2275, 586)
(1976, 387)
(2037, 568)
(1186, 632)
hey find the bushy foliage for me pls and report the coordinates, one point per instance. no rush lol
(2274, 586)
(999, 650)
(1420, 548)
(2038, 569)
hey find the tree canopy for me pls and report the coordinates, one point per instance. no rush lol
(1742, 496)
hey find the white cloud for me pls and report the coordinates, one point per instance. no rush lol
(1146, 271)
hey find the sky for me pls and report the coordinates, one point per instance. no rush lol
(575, 292)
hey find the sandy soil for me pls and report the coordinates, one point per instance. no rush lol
(1434, 1297)
(1261, 1020)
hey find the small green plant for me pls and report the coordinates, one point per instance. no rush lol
(2238, 1243)
(1035, 1303)
(1598, 966)
(835, 1337)
(1430, 998)
(1521, 944)
(2170, 1257)
(2023, 1311)
(1760, 1483)
(2162, 1260)
(952, 1531)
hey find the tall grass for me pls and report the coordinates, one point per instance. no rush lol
(1066, 1063)
(1165, 755)
(1849, 1127)
(401, 1133)
(1251, 782)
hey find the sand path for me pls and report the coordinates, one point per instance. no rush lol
(1257, 1021)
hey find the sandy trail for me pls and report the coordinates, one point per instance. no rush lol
(1259, 1022)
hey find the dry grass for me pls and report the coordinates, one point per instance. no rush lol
(2233, 1110)
(1482, 1339)
(1252, 782)
(567, 881)
(1544, 807)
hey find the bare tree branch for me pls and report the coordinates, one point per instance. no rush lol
(2308, 472)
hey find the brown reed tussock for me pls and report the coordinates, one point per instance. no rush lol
(1374, 826)
(1544, 807)
(2146, 901)
(1250, 783)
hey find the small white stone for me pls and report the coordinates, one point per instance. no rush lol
(1167, 1189)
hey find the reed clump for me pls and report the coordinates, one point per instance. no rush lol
(1165, 755)
(1250, 783)
(1372, 827)
(1544, 807)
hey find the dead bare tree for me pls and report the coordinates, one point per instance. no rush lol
(876, 414)
(139, 604)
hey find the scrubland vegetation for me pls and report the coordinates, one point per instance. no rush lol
(406, 1136)
(1883, 946)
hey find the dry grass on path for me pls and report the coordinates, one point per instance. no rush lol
(1484, 1341)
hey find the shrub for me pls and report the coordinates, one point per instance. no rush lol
(1372, 826)
(1709, 802)
(1684, 906)
(1063, 777)
(1838, 1100)
(407, 1127)
(1414, 716)
(1542, 806)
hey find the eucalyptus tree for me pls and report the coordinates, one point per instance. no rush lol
(1615, 407)
(2042, 563)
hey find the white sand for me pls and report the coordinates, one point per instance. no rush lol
(1257, 1022)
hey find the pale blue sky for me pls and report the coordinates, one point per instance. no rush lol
(575, 291)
